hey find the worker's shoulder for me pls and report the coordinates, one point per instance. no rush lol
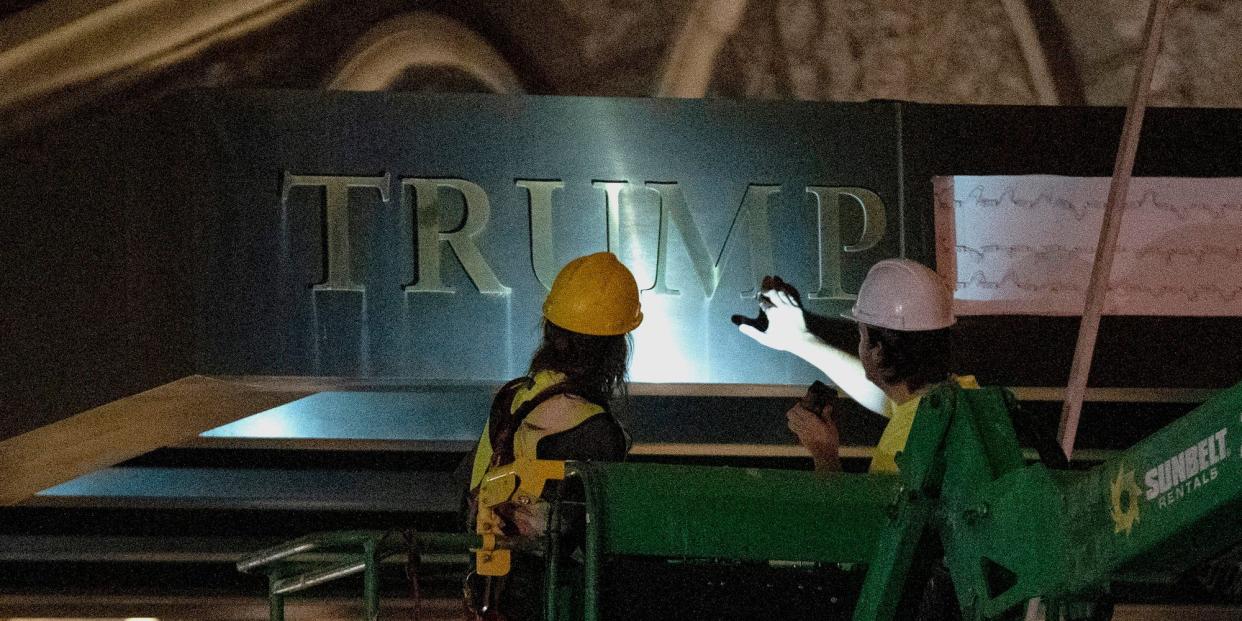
(563, 411)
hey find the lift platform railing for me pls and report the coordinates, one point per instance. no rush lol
(320, 558)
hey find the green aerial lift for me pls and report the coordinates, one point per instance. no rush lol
(1009, 531)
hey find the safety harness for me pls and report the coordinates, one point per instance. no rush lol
(497, 444)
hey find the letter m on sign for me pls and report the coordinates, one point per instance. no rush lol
(752, 213)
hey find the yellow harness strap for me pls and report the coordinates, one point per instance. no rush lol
(535, 427)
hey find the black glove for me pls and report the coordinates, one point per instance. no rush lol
(770, 283)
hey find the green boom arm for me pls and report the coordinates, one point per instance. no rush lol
(1167, 504)
(1012, 532)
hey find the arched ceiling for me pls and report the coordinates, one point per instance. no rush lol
(60, 56)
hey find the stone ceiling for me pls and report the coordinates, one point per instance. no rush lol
(940, 51)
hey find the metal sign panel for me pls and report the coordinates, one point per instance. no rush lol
(399, 235)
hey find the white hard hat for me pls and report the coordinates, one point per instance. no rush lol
(901, 294)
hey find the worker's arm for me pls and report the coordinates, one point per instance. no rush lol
(787, 332)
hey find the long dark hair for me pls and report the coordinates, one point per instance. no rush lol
(915, 359)
(593, 365)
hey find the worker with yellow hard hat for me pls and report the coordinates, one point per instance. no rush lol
(559, 409)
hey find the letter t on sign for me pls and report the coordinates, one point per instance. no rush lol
(336, 222)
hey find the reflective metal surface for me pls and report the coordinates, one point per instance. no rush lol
(417, 236)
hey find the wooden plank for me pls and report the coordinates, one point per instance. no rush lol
(1110, 228)
(1118, 395)
(312, 384)
(1097, 289)
(126, 428)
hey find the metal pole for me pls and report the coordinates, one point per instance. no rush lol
(370, 581)
(591, 548)
(275, 601)
(301, 582)
(551, 574)
(1097, 290)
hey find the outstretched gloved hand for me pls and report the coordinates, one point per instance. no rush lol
(786, 329)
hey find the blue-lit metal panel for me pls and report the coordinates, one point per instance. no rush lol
(442, 415)
(363, 234)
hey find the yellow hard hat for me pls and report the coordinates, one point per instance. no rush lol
(595, 295)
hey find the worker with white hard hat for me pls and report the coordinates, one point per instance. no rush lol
(903, 313)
